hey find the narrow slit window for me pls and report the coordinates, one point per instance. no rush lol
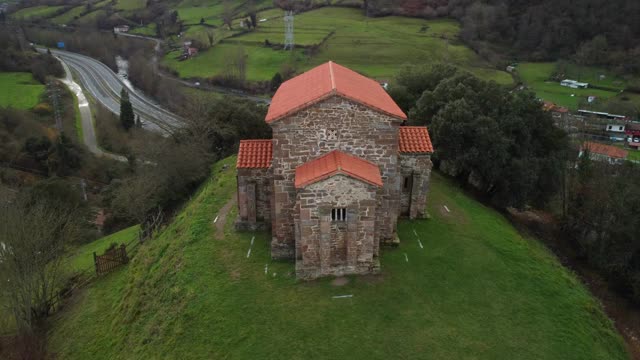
(339, 214)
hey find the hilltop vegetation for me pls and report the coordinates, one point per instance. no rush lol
(477, 287)
(373, 46)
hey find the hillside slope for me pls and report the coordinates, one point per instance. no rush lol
(476, 289)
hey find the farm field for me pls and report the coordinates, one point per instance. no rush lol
(35, 12)
(477, 289)
(373, 46)
(536, 76)
(69, 16)
(19, 90)
(130, 4)
(90, 18)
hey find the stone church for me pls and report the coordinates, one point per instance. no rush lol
(338, 172)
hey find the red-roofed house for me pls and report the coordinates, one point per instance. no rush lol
(337, 174)
(602, 152)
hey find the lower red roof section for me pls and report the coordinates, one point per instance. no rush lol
(414, 139)
(607, 150)
(334, 163)
(254, 154)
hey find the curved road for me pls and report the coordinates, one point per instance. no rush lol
(88, 131)
(105, 86)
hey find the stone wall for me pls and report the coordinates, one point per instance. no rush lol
(333, 124)
(254, 198)
(325, 247)
(416, 167)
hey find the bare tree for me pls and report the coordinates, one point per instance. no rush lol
(211, 37)
(32, 241)
(227, 13)
(235, 69)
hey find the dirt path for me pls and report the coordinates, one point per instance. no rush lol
(221, 218)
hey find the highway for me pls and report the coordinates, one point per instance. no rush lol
(88, 130)
(105, 86)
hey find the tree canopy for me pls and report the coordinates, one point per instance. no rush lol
(502, 143)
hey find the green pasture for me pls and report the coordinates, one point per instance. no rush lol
(376, 47)
(35, 12)
(69, 16)
(536, 77)
(19, 90)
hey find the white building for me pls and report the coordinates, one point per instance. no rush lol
(574, 84)
(121, 29)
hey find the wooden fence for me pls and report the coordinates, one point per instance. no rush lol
(111, 259)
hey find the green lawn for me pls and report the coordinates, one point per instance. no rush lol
(478, 290)
(35, 12)
(376, 47)
(19, 90)
(536, 76)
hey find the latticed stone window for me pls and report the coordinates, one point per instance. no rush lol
(339, 214)
(331, 134)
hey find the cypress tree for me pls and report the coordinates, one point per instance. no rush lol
(127, 117)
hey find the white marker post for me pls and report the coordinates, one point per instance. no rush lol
(250, 247)
(342, 296)
(215, 220)
(446, 208)
(406, 258)
(420, 243)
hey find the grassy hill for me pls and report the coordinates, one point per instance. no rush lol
(374, 46)
(476, 290)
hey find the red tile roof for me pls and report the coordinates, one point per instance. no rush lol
(414, 139)
(254, 154)
(334, 163)
(607, 150)
(326, 80)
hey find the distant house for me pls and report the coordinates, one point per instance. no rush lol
(191, 51)
(574, 84)
(557, 112)
(121, 29)
(188, 51)
(602, 152)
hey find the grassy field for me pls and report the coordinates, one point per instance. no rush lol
(149, 30)
(35, 12)
(478, 290)
(130, 4)
(69, 16)
(90, 18)
(19, 90)
(373, 46)
(536, 76)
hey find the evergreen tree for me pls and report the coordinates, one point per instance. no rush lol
(127, 117)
